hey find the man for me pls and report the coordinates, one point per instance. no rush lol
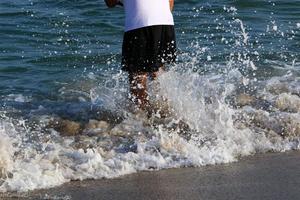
(148, 43)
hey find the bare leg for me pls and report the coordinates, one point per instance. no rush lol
(160, 103)
(138, 89)
(154, 76)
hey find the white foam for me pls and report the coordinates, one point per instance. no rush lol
(6, 153)
(18, 98)
(199, 100)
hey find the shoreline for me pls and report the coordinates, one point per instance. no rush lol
(264, 176)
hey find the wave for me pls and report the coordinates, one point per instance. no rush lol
(211, 120)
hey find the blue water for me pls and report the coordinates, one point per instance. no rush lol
(48, 43)
(236, 86)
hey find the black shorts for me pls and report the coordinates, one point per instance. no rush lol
(147, 49)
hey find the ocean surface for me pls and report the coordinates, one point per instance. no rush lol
(65, 114)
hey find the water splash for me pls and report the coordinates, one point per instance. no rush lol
(220, 110)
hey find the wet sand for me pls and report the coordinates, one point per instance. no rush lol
(266, 176)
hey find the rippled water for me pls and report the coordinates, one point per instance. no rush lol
(234, 91)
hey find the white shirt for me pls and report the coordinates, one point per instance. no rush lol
(142, 13)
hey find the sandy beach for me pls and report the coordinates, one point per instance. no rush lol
(266, 176)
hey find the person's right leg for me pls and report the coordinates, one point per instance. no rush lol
(156, 74)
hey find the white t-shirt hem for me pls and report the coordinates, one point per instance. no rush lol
(146, 25)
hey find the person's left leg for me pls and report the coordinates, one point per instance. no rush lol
(138, 89)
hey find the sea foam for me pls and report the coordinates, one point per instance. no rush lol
(218, 132)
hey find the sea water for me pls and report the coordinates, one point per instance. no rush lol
(65, 114)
